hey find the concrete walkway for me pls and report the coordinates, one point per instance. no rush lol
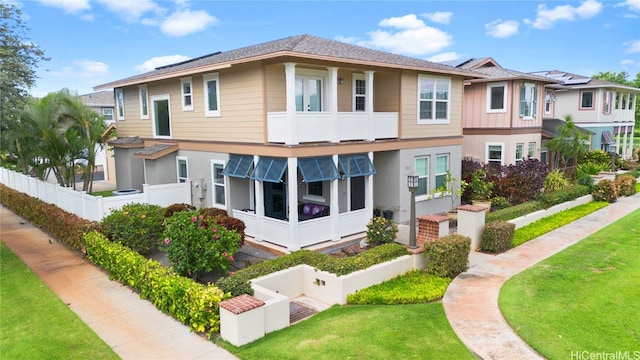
(471, 300)
(133, 327)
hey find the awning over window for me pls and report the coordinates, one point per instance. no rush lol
(356, 165)
(269, 169)
(238, 166)
(607, 138)
(318, 169)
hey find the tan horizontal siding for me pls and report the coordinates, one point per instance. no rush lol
(275, 87)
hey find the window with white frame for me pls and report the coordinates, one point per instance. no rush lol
(548, 99)
(182, 169)
(161, 116)
(532, 150)
(187, 93)
(120, 104)
(309, 92)
(314, 189)
(496, 97)
(442, 166)
(211, 95)
(219, 187)
(528, 101)
(433, 100)
(519, 155)
(606, 102)
(144, 102)
(586, 99)
(495, 154)
(359, 93)
(422, 170)
(108, 114)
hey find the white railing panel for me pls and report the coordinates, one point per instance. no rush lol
(353, 126)
(385, 125)
(93, 208)
(250, 222)
(313, 126)
(277, 129)
(314, 231)
(353, 222)
(276, 231)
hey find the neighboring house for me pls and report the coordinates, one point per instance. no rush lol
(103, 103)
(300, 137)
(606, 109)
(503, 113)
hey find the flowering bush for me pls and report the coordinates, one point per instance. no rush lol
(136, 226)
(626, 185)
(605, 190)
(195, 243)
(381, 231)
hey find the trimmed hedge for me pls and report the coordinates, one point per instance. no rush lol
(447, 256)
(189, 302)
(605, 190)
(626, 185)
(513, 212)
(59, 224)
(497, 237)
(238, 283)
(547, 200)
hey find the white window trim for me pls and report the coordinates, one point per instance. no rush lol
(153, 122)
(146, 98)
(434, 120)
(357, 76)
(531, 153)
(186, 80)
(486, 154)
(213, 186)
(504, 99)
(549, 99)
(435, 177)
(534, 98)
(519, 159)
(119, 103)
(206, 78)
(427, 195)
(104, 113)
(593, 99)
(186, 160)
(607, 102)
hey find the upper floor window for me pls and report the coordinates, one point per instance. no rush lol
(161, 116)
(442, 166)
(187, 94)
(108, 114)
(519, 151)
(120, 104)
(528, 100)
(586, 99)
(496, 97)
(433, 100)
(211, 94)
(182, 168)
(422, 170)
(549, 98)
(359, 93)
(144, 107)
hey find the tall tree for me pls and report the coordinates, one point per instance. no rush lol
(568, 144)
(19, 58)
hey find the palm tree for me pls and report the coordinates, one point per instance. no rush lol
(568, 144)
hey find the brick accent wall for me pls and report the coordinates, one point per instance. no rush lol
(429, 228)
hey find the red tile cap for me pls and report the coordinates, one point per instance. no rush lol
(241, 304)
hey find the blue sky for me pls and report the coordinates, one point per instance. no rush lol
(91, 42)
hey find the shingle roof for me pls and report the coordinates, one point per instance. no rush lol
(156, 151)
(576, 81)
(98, 99)
(493, 71)
(306, 46)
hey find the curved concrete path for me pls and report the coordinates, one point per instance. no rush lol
(133, 327)
(471, 301)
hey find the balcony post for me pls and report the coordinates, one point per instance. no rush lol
(292, 200)
(369, 106)
(333, 104)
(290, 86)
(259, 205)
(334, 205)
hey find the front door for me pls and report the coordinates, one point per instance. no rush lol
(275, 200)
(357, 192)
(308, 93)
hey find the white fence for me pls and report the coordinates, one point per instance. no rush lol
(91, 207)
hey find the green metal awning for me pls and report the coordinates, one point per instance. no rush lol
(238, 166)
(318, 169)
(269, 169)
(356, 165)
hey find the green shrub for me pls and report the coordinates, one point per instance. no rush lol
(591, 169)
(195, 244)
(605, 190)
(513, 212)
(189, 302)
(237, 284)
(137, 226)
(177, 208)
(59, 224)
(413, 287)
(626, 185)
(555, 181)
(595, 157)
(623, 164)
(447, 256)
(499, 203)
(381, 231)
(222, 217)
(497, 236)
(585, 180)
(635, 173)
(557, 197)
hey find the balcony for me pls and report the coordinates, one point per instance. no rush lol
(308, 127)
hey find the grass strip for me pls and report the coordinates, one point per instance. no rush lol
(413, 287)
(583, 300)
(35, 323)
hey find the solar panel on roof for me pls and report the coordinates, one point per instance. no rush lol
(577, 81)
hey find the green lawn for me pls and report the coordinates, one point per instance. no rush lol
(362, 332)
(35, 323)
(586, 298)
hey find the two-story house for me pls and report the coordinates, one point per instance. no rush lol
(503, 112)
(605, 108)
(301, 138)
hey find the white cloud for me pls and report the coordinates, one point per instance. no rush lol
(132, 10)
(186, 22)
(346, 39)
(502, 29)
(546, 18)
(69, 6)
(629, 63)
(411, 37)
(632, 5)
(158, 61)
(82, 69)
(441, 17)
(447, 56)
(633, 46)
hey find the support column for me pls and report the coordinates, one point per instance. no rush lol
(431, 227)
(258, 187)
(292, 200)
(290, 88)
(369, 190)
(334, 206)
(471, 220)
(369, 106)
(333, 104)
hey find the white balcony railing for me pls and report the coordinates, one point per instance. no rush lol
(325, 127)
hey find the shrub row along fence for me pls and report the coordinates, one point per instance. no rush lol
(94, 208)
